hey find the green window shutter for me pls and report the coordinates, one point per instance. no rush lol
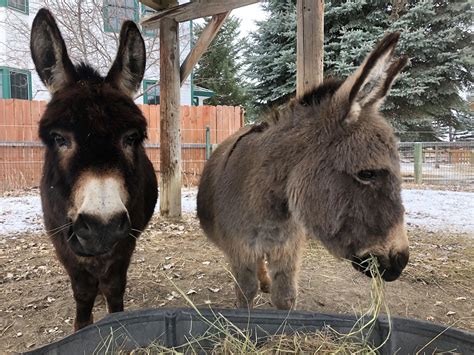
(30, 87)
(5, 82)
(136, 13)
(105, 16)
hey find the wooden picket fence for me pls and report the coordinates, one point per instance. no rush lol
(21, 152)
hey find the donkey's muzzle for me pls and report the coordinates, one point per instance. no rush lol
(389, 268)
(93, 236)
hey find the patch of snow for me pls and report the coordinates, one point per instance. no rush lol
(436, 210)
(431, 209)
(188, 200)
(20, 214)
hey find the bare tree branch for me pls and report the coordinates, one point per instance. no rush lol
(83, 24)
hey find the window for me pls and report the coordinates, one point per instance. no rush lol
(18, 85)
(145, 12)
(15, 84)
(117, 11)
(17, 5)
(151, 93)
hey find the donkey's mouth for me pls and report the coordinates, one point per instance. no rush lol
(361, 265)
(390, 273)
(87, 251)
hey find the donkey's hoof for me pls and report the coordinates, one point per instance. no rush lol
(287, 304)
(81, 324)
(284, 302)
(244, 304)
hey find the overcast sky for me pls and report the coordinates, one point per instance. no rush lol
(248, 15)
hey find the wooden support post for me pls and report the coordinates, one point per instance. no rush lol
(202, 44)
(170, 133)
(310, 45)
(418, 162)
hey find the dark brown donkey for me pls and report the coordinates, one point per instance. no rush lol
(326, 166)
(98, 188)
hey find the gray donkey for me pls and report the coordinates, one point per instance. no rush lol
(325, 166)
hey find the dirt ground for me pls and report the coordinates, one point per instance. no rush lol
(37, 307)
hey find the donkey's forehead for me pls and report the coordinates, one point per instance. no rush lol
(369, 146)
(103, 111)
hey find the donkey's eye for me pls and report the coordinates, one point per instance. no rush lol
(131, 139)
(59, 140)
(367, 175)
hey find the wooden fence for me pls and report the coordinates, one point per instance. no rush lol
(21, 152)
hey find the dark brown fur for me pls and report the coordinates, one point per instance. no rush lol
(324, 167)
(93, 131)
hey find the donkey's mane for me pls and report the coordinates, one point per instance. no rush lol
(327, 88)
(312, 98)
(285, 113)
(84, 72)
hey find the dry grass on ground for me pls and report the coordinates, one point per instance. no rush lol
(36, 304)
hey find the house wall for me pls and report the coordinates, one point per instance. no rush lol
(95, 46)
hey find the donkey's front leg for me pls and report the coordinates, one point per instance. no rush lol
(246, 281)
(84, 287)
(284, 264)
(113, 285)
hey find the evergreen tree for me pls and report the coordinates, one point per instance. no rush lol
(426, 103)
(271, 54)
(220, 66)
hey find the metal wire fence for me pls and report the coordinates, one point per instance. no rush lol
(437, 162)
(421, 163)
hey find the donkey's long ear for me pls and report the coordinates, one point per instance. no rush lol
(371, 82)
(49, 52)
(129, 65)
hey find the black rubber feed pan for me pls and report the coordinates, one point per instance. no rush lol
(174, 327)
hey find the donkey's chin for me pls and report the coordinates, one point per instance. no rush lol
(389, 268)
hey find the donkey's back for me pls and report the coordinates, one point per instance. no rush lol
(239, 191)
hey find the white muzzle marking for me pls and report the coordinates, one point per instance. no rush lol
(102, 197)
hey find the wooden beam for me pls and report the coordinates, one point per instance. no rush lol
(202, 44)
(193, 10)
(310, 45)
(160, 4)
(170, 134)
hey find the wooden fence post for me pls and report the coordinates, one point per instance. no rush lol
(309, 45)
(418, 158)
(170, 132)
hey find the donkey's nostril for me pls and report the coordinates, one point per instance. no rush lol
(121, 225)
(84, 226)
(399, 261)
(101, 234)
